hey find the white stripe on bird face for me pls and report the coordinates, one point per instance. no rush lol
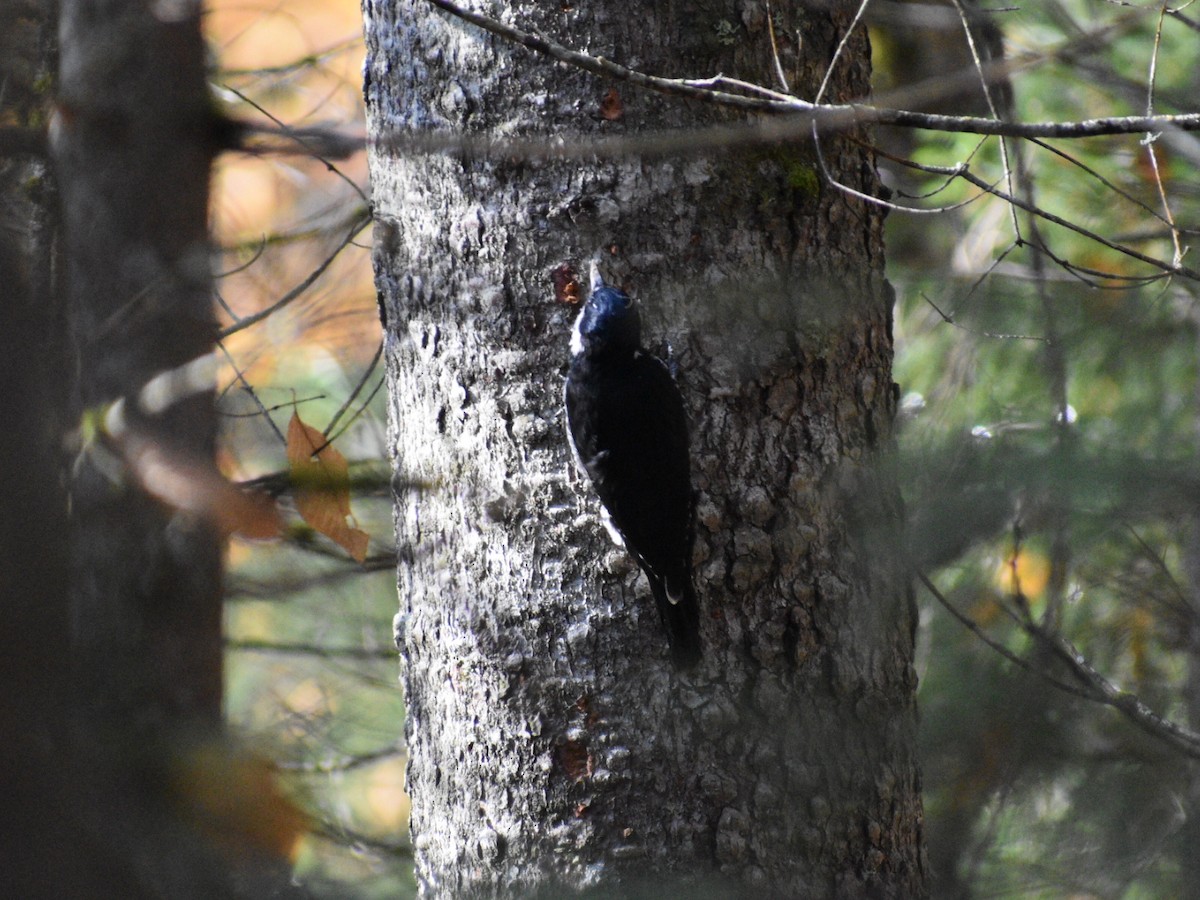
(577, 335)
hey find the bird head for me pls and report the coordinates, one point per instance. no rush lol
(609, 321)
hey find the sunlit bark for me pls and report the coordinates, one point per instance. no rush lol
(552, 744)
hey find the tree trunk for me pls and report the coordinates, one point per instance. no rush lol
(553, 746)
(35, 779)
(131, 145)
(133, 153)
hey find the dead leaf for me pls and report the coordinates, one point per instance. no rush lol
(234, 798)
(321, 477)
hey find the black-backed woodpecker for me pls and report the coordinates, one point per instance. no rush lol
(628, 429)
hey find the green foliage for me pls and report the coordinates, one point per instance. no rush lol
(1088, 520)
(311, 678)
(311, 670)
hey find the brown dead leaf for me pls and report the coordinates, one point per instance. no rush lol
(233, 797)
(321, 477)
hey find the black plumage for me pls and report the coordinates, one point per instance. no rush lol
(628, 427)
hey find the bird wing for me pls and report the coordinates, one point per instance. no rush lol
(630, 432)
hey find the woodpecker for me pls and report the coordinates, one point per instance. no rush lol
(628, 431)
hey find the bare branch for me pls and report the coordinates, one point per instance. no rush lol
(837, 54)
(279, 238)
(972, 626)
(802, 112)
(363, 220)
(1104, 691)
(341, 763)
(775, 51)
(1169, 268)
(1095, 687)
(311, 650)
(261, 140)
(362, 382)
(239, 376)
(878, 201)
(346, 45)
(341, 835)
(599, 66)
(1151, 138)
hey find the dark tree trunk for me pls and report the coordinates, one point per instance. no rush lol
(138, 598)
(133, 153)
(36, 781)
(553, 746)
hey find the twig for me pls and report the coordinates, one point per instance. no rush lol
(310, 650)
(357, 390)
(363, 407)
(1104, 691)
(246, 386)
(322, 144)
(987, 96)
(972, 626)
(775, 50)
(1169, 268)
(299, 289)
(879, 201)
(341, 764)
(1095, 687)
(837, 54)
(829, 116)
(1151, 138)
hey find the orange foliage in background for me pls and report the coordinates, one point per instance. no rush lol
(306, 683)
(278, 218)
(1028, 572)
(234, 798)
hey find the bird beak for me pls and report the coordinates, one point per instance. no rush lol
(597, 278)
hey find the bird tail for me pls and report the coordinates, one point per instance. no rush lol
(681, 620)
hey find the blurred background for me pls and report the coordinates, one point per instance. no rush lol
(311, 668)
(1047, 367)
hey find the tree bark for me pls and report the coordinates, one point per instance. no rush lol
(552, 746)
(35, 779)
